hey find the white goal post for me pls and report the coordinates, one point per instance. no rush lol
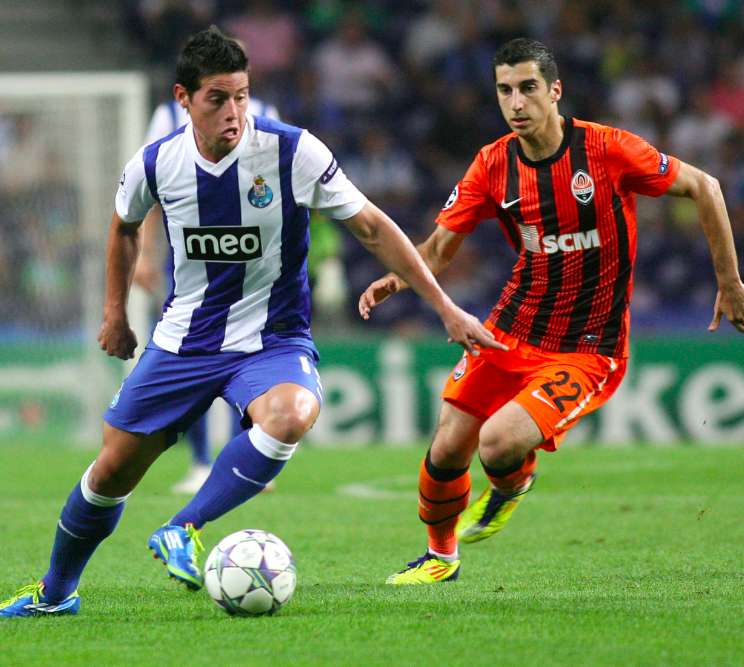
(64, 139)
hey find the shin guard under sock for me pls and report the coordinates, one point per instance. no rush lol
(86, 520)
(243, 468)
(443, 494)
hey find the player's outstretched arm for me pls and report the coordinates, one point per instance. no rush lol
(115, 336)
(705, 191)
(382, 237)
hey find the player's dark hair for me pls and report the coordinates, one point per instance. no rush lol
(206, 53)
(522, 50)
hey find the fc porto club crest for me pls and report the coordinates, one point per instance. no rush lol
(582, 187)
(260, 195)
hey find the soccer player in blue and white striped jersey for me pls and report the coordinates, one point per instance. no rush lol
(235, 192)
(151, 267)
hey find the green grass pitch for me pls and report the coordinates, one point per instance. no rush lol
(627, 556)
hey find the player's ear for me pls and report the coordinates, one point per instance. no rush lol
(181, 95)
(556, 90)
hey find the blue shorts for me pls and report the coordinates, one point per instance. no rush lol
(168, 392)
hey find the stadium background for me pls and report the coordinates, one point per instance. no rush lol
(622, 556)
(403, 94)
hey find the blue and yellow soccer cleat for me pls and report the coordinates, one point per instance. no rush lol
(426, 570)
(29, 601)
(488, 515)
(179, 549)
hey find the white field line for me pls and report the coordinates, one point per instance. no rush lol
(389, 489)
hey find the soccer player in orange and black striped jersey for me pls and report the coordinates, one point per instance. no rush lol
(563, 191)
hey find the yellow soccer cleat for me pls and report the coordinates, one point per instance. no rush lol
(488, 515)
(179, 549)
(426, 570)
(31, 601)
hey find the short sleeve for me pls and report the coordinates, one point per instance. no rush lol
(470, 202)
(133, 198)
(637, 166)
(318, 182)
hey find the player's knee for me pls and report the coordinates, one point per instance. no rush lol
(499, 447)
(286, 412)
(448, 452)
(508, 436)
(288, 421)
(110, 480)
(287, 428)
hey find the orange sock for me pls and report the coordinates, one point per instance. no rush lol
(513, 480)
(443, 494)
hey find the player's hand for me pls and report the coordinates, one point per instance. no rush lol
(146, 274)
(466, 330)
(377, 292)
(116, 338)
(729, 303)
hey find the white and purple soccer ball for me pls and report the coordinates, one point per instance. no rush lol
(250, 573)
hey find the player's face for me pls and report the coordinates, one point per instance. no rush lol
(526, 100)
(217, 111)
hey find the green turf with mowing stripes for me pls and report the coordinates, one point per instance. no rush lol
(618, 557)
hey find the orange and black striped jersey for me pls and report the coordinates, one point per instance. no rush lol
(572, 218)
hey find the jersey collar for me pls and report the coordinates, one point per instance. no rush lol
(567, 133)
(217, 168)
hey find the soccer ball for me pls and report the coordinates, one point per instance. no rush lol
(250, 573)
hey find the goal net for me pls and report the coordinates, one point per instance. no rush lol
(64, 139)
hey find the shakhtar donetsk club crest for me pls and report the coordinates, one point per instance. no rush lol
(260, 195)
(460, 369)
(582, 187)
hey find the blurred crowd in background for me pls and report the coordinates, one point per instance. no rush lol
(403, 93)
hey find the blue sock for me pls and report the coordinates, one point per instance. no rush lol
(197, 437)
(86, 520)
(245, 465)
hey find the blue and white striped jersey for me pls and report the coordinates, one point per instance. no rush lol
(238, 232)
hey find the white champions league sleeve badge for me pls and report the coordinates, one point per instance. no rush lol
(451, 199)
(260, 195)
